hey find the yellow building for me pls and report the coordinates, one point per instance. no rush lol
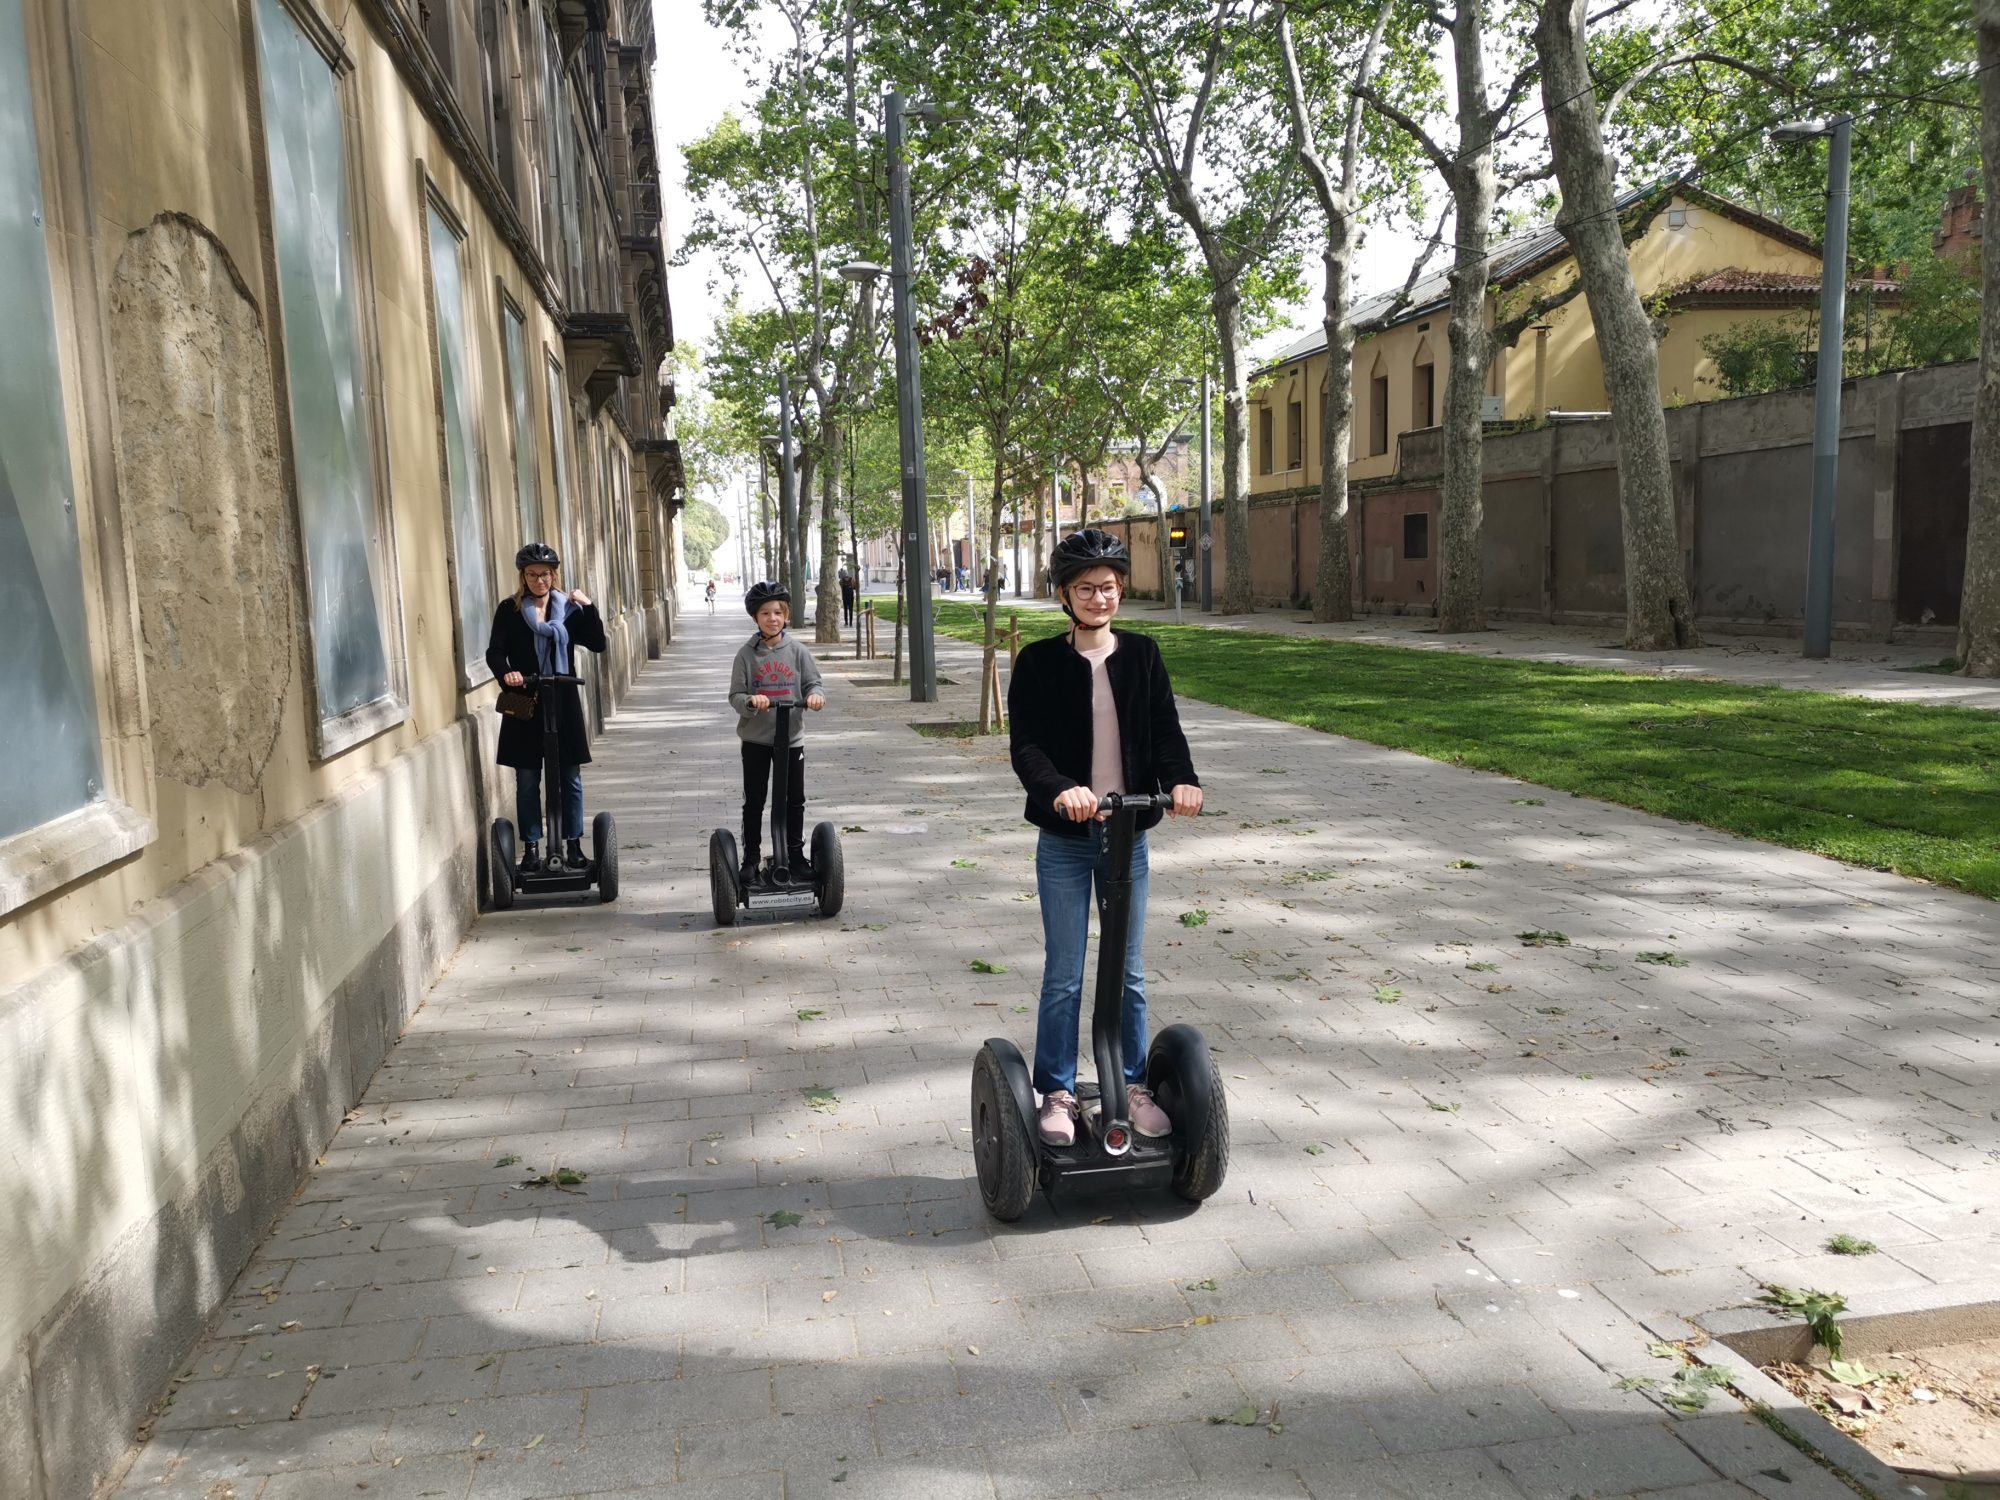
(1710, 264)
(315, 310)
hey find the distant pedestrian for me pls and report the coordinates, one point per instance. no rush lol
(846, 597)
(709, 594)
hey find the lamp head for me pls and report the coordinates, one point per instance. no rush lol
(1800, 130)
(923, 109)
(862, 272)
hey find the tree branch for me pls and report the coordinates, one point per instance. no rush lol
(1765, 75)
(1402, 299)
(1446, 166)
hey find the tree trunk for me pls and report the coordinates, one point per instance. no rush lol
(1461, 555)
(1159, 494)
(988, 572)
(1333, 585)
(1659, 614)
(1979, 615)
(1236, 596)
(827, 619)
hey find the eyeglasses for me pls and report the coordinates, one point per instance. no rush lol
(1094, 590)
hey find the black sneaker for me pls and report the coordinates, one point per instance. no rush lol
(531, 857)
(573, 855)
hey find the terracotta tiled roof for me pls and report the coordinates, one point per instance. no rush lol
(1734, 280)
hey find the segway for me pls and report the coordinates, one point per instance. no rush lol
(556, 876)
(1011, 1157)
(774, 883)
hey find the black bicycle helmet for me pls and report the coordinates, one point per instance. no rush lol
(536, 554)
(1081, 551)
(761, 594)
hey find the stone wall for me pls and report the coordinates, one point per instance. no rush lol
(1553, 536)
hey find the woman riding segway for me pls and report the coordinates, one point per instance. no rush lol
(535, 634)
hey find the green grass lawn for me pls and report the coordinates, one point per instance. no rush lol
(1890, 786)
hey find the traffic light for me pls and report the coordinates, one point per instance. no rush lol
(1177, 535)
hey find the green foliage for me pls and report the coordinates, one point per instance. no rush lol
(703, 529)
(1903, 68)
(1937, 321)
(1763, 355)
(1847, 1244)
(1819, 1309)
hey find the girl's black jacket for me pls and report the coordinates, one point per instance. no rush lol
(1048, 708)
(512, 649)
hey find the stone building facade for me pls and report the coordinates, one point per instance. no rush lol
(316, 309)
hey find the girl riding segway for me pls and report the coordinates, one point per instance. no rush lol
(535, 634)
(1092, 714)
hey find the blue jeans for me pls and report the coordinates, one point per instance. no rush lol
(1064, 871)
(528, 803)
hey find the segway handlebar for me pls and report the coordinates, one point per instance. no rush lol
(534, 679)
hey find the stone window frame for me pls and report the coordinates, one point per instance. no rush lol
(120, 823)
(473, 673)
(332, 737)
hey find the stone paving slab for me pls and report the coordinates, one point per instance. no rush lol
(1469, 1174)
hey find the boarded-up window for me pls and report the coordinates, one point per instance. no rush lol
(470, 563)
(48, 734)
(1295, 435)
(1417, 535)
(1378, 415)
(1266, 449)
(1423, 395)
(326, 375)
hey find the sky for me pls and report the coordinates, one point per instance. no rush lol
(698, 81)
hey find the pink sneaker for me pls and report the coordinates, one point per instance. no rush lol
(1146, 1116)
(1057, 1120)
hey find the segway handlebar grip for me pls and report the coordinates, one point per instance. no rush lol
(533, 679)
(1138, 801)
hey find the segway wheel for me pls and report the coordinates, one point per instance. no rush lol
(829, 874)
(1001, 1150)
(1187, 1081)
(604, 855)
(503, 857)
(723, 893)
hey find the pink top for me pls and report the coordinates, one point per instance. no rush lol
(1107, 762)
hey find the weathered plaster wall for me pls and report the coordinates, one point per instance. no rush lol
(207, 515)
(163, 1089)
(179, 1032)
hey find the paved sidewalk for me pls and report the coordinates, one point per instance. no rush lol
(1860, 669)
(1469, 1175)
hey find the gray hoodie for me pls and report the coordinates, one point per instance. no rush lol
(785, 673)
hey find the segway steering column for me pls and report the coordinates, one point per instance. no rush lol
(1115, 921)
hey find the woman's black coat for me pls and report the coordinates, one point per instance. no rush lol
(512, 649)
(1050, 729)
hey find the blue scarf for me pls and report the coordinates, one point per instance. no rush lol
(552, 651)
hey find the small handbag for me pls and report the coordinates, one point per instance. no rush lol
(516, 703)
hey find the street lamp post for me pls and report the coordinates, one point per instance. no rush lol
(1826, 392)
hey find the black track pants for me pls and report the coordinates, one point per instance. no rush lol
(757, 789)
